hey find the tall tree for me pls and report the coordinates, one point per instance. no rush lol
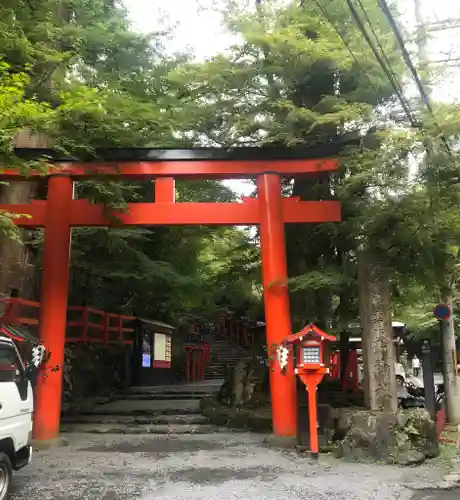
(294, 81)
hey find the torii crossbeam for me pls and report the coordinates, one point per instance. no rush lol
(60, 212)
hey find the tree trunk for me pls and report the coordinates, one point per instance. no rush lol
(377, 338)
(16, 268)
(449, 351)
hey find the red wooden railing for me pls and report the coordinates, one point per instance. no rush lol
(97, 326)
(13, 311)
(236, 329)
(84, 324)
(196, 359)
(351, 379)
(334, 365)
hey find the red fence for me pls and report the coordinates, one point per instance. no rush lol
(17, 311)
(351, 379)
(84, 324)
(237, 330)
(196, 359)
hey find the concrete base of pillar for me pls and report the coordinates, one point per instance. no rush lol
(289, 442)
(49, 444)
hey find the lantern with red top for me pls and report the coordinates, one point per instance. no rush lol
(311, 368)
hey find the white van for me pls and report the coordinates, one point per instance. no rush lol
(16, 408)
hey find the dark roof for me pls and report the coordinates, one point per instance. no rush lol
(159, 324)
(192, 154)
(306, 331)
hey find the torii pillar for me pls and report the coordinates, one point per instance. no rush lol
(276, 302)
(53, 306)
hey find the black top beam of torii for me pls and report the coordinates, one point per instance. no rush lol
(325, 150)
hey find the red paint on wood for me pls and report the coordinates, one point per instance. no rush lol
(53, 309)
(276, 299)
(85, 214)
(218, 169)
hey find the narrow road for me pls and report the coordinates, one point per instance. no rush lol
(220, 466)
(437, 495)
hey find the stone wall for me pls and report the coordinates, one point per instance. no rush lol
(93, 371)
(405, 438)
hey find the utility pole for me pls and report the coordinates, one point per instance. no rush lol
(448, 342)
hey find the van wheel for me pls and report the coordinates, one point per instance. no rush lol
(5, 475)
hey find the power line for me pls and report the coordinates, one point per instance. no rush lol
(347, 45)
(381, 61)
(382, 50)
(446, 24)
(406, 56)
(407, 59)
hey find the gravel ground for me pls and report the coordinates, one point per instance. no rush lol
(216, 466)
(437, 495)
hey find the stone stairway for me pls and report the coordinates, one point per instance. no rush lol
(148, 410)
(224, 353)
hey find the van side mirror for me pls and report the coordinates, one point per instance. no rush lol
(17, 376)
(31, 369)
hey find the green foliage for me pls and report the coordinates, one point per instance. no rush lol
(292, 81)
(77, 76)
(76, 73)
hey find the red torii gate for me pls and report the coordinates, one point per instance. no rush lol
(60, 212)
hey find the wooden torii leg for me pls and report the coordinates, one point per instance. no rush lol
(53, 309)
(276, 299)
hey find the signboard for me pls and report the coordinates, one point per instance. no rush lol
(146, 360)
(146, 351)
(426, 347)
(442, 312)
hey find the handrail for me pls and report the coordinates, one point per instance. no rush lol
(236, 330)
(87, 325)
(197, 356)
(12, 307)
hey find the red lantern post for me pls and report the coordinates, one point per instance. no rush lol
(310, 368)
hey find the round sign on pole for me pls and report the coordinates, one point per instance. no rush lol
(442, 312)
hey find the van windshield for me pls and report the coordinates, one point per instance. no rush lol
(9, 363)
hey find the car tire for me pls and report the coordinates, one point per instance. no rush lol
(6, 474)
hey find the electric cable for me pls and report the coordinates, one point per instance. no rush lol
(382, 50)
(347, 45)
(382, 64)
(407, 59)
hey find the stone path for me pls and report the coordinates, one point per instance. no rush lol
(171, 409)
(215, 467)
(437, 495)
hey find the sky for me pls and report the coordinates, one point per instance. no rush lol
(198, 27)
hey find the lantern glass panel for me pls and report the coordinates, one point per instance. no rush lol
(311, 355)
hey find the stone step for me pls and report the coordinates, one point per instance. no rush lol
(169, 392)
(226, 361)
(225, 358)
(163, 397)
(227, 351)
(147, 407)
(228, 348)
(201, 388)
(191, 419)
(138, 429)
